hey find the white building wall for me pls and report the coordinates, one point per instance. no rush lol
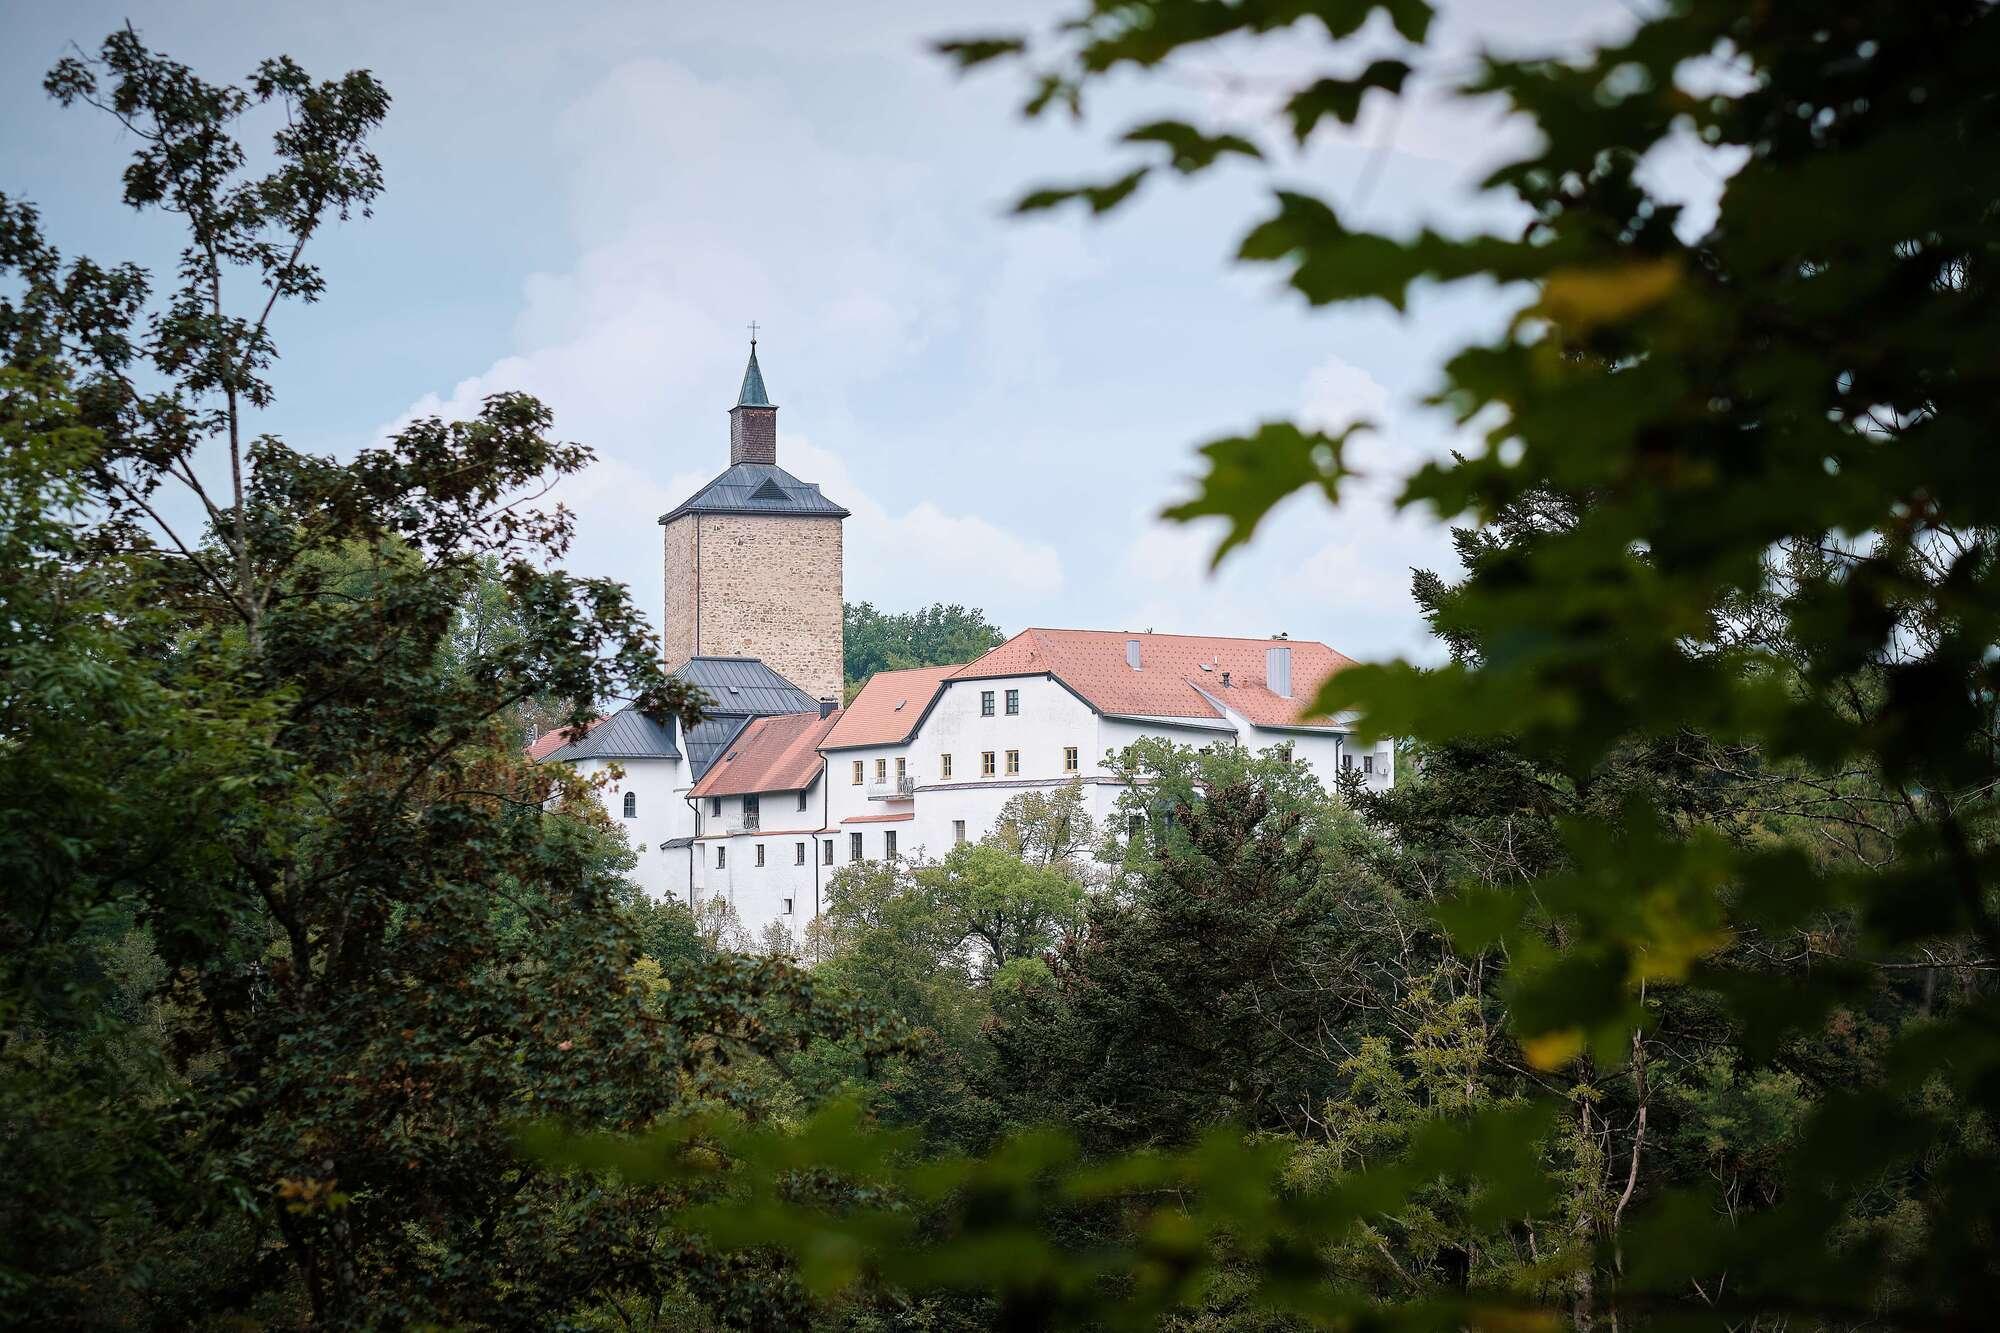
(659, 788)
(783, 888)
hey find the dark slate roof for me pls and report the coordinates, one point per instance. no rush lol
(757, 488)
(744, 686)
(739, 689)
(626, 734)
(753, 394)
(709, 739)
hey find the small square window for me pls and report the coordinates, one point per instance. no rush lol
(1069, 759)
(826, 853)
(760, 853)
(721, 857)
(798, 853)
(715, 807)
(854, 846)
(788, 907)
(986, 703)
(1347, 763)
(857, 772)
(957, 831)
(1013, 703)
(944, 767)
(1013, 761)
(986, 764)
(889, 844)
(1367, 763)
(802, 800)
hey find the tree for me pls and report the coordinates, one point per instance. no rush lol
(1734, 528)
(937, 635)
(267, 746)
(1761, 446)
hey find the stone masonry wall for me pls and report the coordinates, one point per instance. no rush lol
(677, 624)
(768, 587)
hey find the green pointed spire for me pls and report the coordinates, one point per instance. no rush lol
(752, 394)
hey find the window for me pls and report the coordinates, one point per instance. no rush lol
(631, 805)
(1367, 763)
(944, 767)
(881, 770)
(1135, 826)
(957, 831)
(1013, 703)
(854, 846)
(1013, 761)
(751, 805)
(715, 807)
(802, 800)
(788, 907)
(986, 703)
(986, 764)
(760, 855)
(798, 853)
(826, 853)
(889, 844)
(857, 772)
(1347, 763)
(902, 769)
(1069, 759)
(721, 857)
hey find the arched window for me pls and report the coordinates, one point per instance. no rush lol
(631, 805)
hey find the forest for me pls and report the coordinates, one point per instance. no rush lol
(1660, 995)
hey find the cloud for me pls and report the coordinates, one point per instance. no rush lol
(695, 201)
(1341, 573)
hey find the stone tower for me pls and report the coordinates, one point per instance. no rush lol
(753, 559)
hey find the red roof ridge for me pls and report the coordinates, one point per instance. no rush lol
(888, 706)
(779, 752)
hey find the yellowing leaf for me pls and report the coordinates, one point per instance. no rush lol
(1553, 1050)
(1583, 298)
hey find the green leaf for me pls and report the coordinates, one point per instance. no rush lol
(1249, 474)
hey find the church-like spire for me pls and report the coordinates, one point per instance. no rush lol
(753, 422)
(752, 394)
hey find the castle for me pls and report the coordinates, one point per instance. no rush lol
(778, 784)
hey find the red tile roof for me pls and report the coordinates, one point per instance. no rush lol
(1179, 674)
(887, 709)
(778, 753)
(556, 737)
(878, 819)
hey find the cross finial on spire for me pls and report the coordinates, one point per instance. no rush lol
(753, 333)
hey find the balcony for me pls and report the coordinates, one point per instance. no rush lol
(892, 789)
(743, 823)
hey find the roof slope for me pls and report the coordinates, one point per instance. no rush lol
(757, 488)
(741, 685)
(778, 753)
(708, 738)
(889, 707)
(626, 734)
(555, 738)
(1179, 675)
(752, 393)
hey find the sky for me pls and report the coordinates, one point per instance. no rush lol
(591, 202)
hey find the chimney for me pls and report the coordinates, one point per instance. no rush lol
(1225, 680)
(1278, 671)
(753, 422)
(826, 707)
(1132, 653)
